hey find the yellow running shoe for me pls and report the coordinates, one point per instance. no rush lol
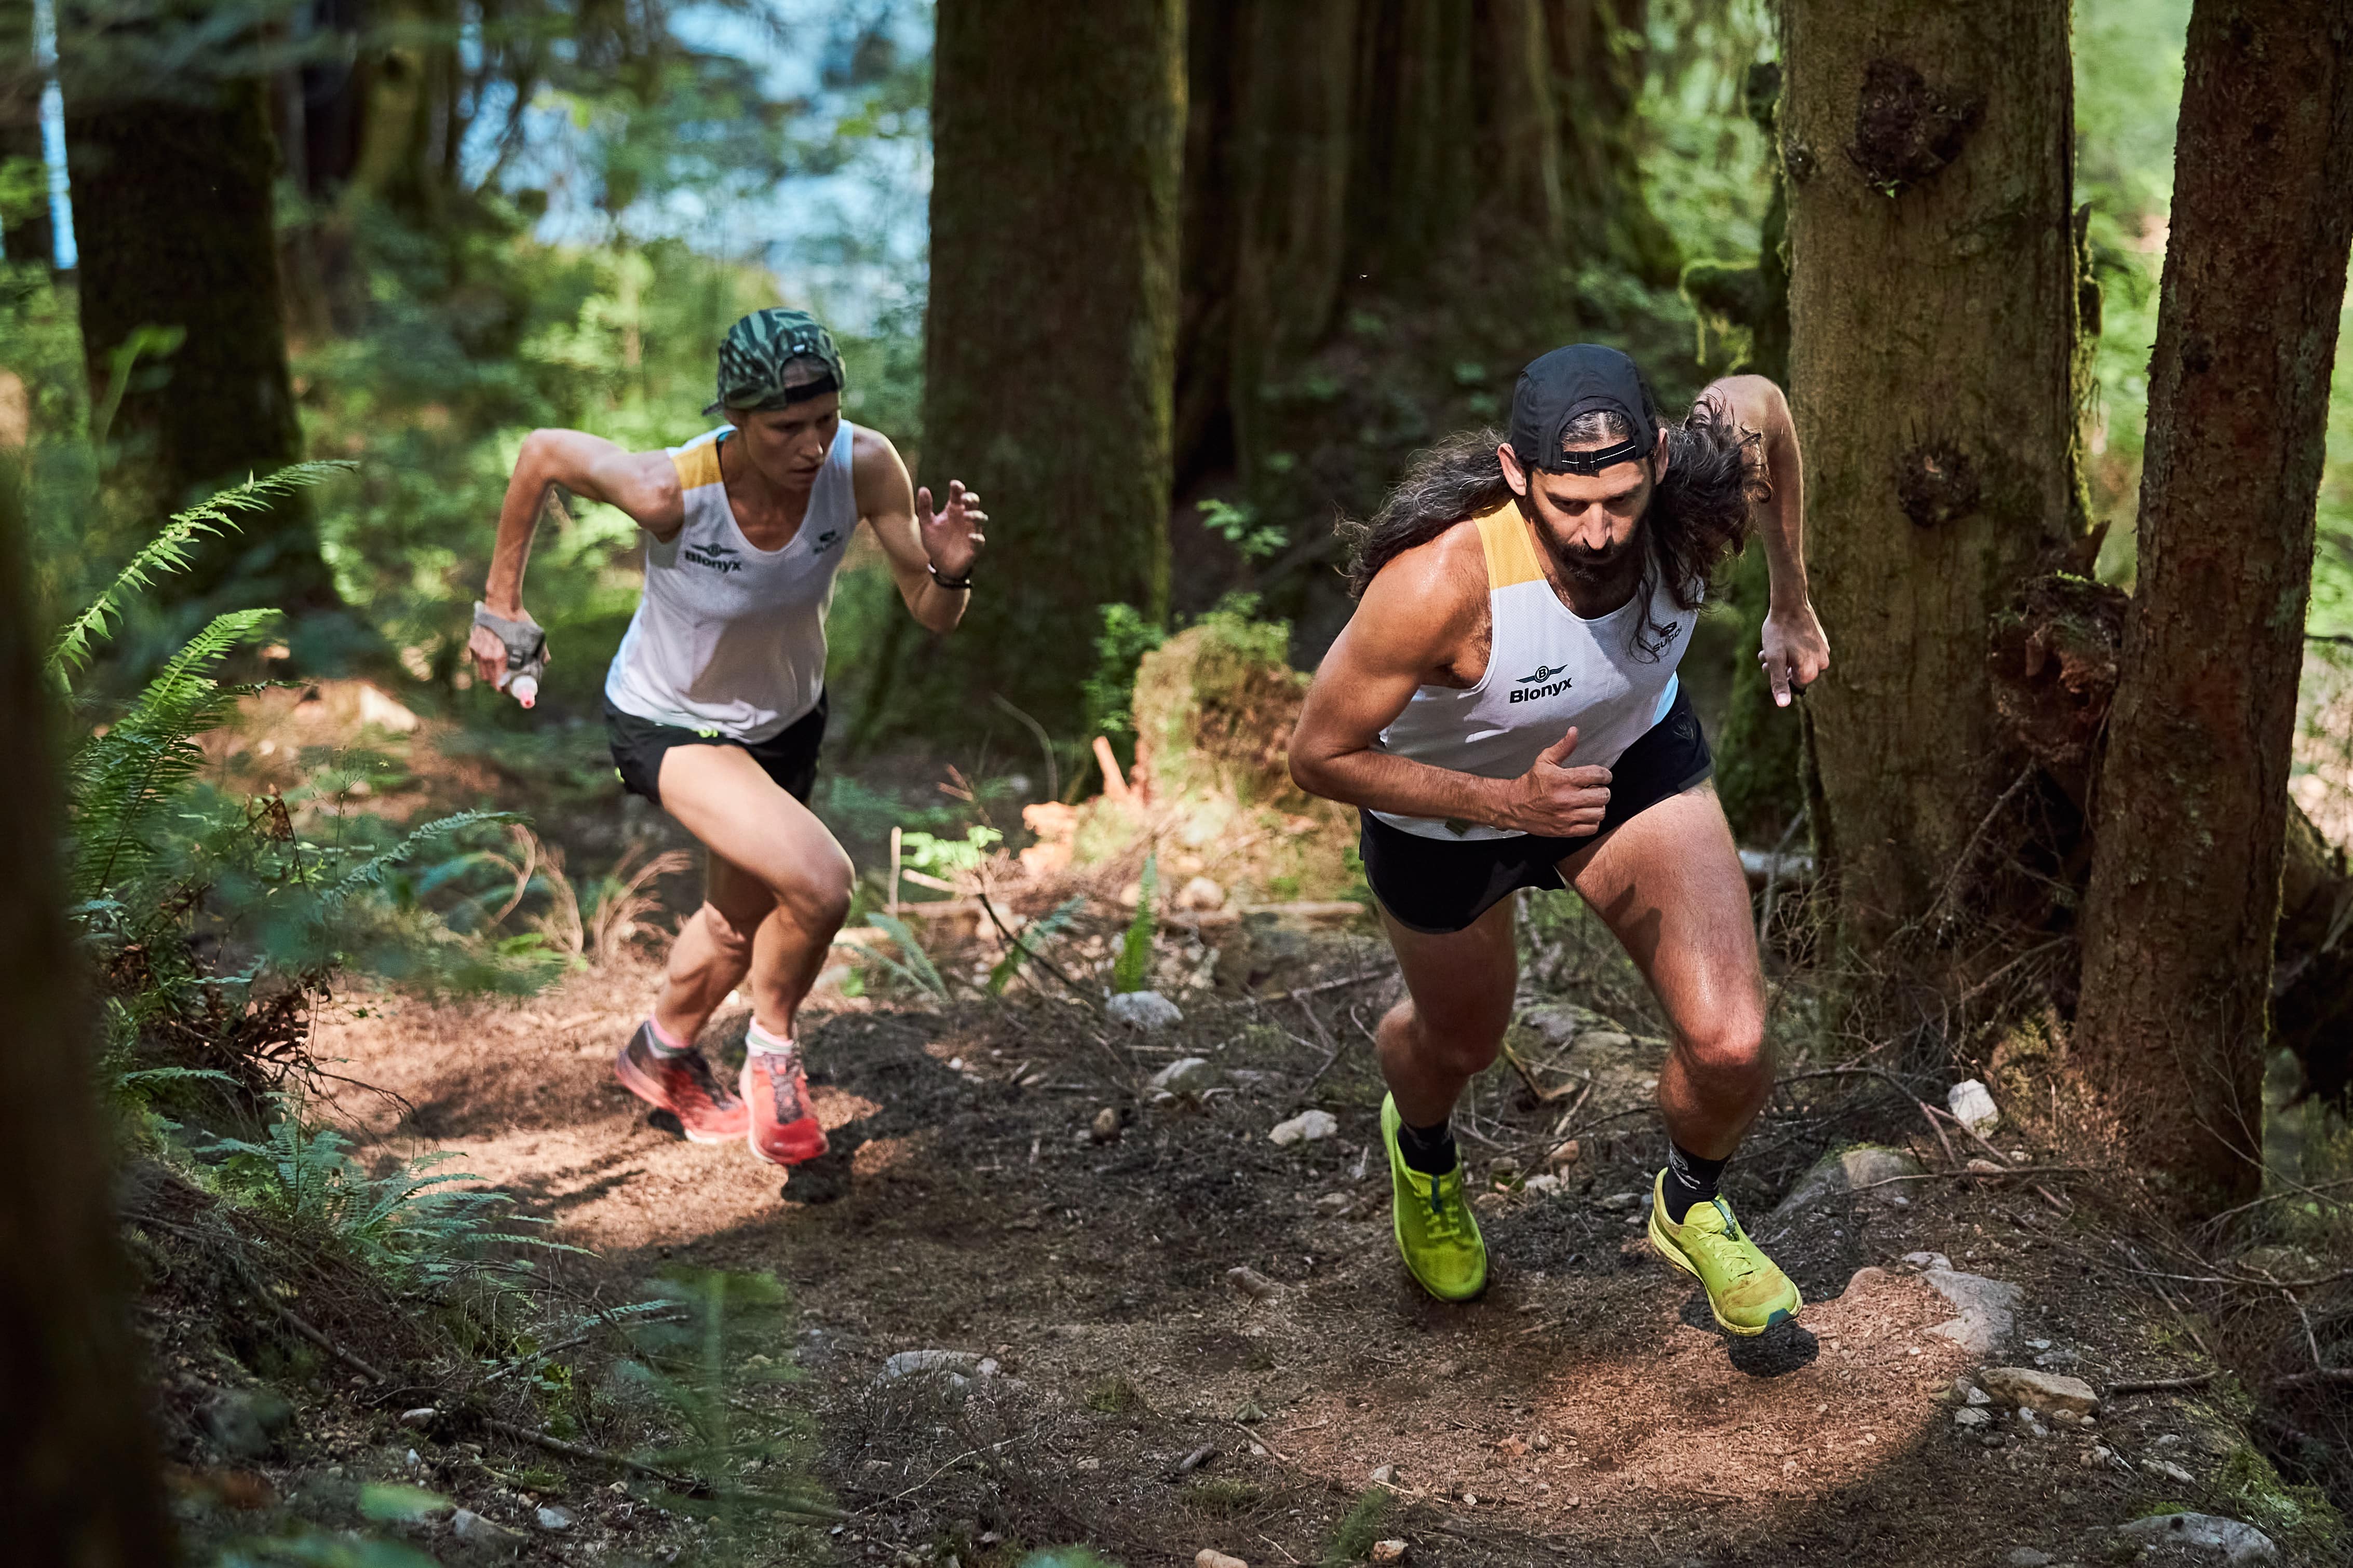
(1747, 1293)
(1436, 1234)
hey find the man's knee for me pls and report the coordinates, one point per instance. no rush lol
(1728, 1048)
(1463, 1041)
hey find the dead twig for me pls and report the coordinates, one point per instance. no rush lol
(1528, 1076)
(1047, 965)
(2157, 1384)
(1978, 1175)
(1323, 985)
(2313, 1379)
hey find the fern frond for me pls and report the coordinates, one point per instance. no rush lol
(118, 779)
(1133, 965)
(166, 553)
(917, 964)
(370, 873)
(1033, 936)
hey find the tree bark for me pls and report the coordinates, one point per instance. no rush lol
(1051, 340)
(173, 215)
(26, 232)
(2184, 899)
(1932, 307)
(78, 1481)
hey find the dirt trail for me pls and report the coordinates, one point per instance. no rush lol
(1587, 1409)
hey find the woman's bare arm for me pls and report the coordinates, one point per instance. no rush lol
(1794, 650)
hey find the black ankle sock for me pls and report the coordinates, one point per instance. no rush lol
(1690, 1180)
(1430, 1150)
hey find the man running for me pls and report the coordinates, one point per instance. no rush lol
(715, 704)
(1504, 708)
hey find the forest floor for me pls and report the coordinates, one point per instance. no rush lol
(1585, 1409)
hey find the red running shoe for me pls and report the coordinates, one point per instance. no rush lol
(680, 1084)
(784, 1128)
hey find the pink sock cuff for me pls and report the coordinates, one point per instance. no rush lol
(663, 1039)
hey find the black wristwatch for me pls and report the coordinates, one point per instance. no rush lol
(952, 585)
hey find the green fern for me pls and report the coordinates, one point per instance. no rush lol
(167, 553)
(120, 778)
(1133, 965)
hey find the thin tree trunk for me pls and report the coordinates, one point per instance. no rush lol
(173, 215)
(78, 1482)
(1050, 346)
(2189, 823)
(26, 232)
(1932, 309)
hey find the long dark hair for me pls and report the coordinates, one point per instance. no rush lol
(1698, 518)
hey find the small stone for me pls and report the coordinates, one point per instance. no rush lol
(1200, 895)
(1567, 1155)
(1384, 1475)
(1616, 1202)
(2239, 1543)
(1105, 1127)
(555, 1519)
(958, 1364)
(1250, 1282)
(1470, 1500)
(1976, 1395)
(245, 1424)
(1146, 1010)
(1842, 1171)
(1541, 1186)
(1970, 1415)
(1307, 1127)
(1389, 1551)
(471, 1526)
(1185, 1075)
(2169, 1471)
(1972, 1106)
(421, 1416)
(1335, 1204)
(2027, 1557)
(1539, 1442)
(2031, 1390)
(1988, 1306)
(1210, 1557)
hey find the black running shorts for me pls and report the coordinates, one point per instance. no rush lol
(1436, 886)
(789, 756)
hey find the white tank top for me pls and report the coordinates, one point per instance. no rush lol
(729, 639)
(1548, 668)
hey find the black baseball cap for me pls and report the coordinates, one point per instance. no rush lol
(1561, 386)
(757, 353)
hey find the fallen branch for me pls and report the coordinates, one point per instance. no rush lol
(1964, 1175)
(1047, 965)
(2157, 1385)
(2326, 1375)
(1322, 985)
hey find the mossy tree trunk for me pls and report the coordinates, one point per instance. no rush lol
(173, 215)
(1050, 345)
(78, 1482)
(2190, 820)
(1933, 316)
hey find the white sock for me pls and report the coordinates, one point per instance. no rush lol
(664, 1044)
(758, 1041)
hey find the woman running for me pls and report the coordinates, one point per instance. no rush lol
(715, 704)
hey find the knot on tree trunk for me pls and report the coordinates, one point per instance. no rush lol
(1936, 483)
(2055, 659)
(1905, 131)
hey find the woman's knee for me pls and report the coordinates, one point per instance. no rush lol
(817, 896)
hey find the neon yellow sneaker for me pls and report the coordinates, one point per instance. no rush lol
(1436, 1234)
(1747, 1293)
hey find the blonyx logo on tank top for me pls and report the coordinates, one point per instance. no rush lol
(720, 558)
(1540, 685)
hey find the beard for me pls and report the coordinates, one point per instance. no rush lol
(1603, 568)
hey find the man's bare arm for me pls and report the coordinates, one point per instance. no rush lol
(912, 536)
(1794, 650)
(1418, 611)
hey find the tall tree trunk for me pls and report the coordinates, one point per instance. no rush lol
(78, 1482)
(26, 232)
(1355, 166)
(2188, 824)
(1932, 309)
(1051, 340)
(173, 215)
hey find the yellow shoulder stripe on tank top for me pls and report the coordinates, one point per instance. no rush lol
(1511, 557)
(697, 465)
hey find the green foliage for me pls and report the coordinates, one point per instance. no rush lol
(913, 966)
(1239, 525)
(938, 857)
(1068, 1557)
(1352, 1540)
(1127, 637)
(412, 1224)
(305, 1546)
(1133, 968)
(1032, 938)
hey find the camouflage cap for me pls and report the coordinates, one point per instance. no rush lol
(774, 357)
